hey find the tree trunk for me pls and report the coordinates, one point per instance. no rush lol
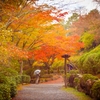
(21, 67)
(48, 70)
(58, 70)
(30, 63)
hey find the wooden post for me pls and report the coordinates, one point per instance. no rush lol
(65, 74)
(66, 57)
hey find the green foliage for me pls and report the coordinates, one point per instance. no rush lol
(89, 62)
(28, 79)
(25, 79)
(30, 72)
(87, 39)
(13, 88)
(79, 95)
(3, 79)
(81, 60)
(8, 72)
(19, 79)
(75, 72)
(10, 85)
(74, 59)
(57, 63)
(5, 92)
(68, 75)
(96, 90)
(89, 76)
(76, 81)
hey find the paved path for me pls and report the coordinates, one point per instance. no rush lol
(47, 91)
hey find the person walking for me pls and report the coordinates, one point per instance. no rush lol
(37, 73)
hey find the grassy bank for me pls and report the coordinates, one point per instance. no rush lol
(80, 95)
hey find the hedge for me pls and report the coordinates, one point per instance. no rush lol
(8, 85)
(3, 79)
(25, 79)
(5, 92)
(96, 90)
(13, 88)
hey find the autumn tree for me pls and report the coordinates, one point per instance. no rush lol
(48, 53)
(26, 24)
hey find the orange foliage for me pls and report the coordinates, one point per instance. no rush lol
(64, 45)
(16, 52)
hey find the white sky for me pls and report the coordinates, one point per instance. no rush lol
(70, 5)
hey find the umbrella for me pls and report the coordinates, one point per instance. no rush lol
(37, 71)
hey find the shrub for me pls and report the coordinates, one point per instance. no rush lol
(13, 88)
(76, 81)
(75, 59)
(8, 86)
(28, 79)
(12, 85)
(75, 72)
(3, 79)
(5, 92)
(96, 90)
(89, 62)
(20, 79)
(25, 79)
(68, 75)
(9, 72)
(89, 76)
(17, 79)
(30, 72)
